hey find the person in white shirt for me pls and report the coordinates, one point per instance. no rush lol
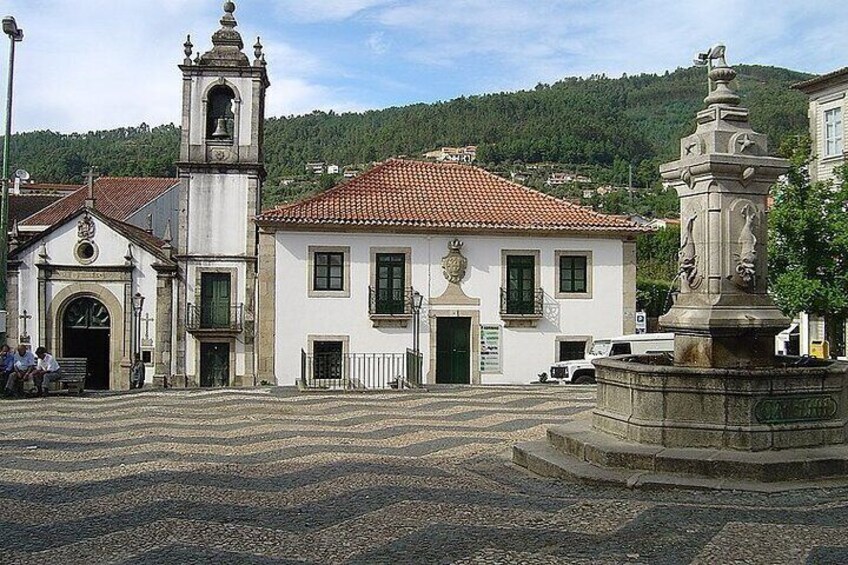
(47, 370)
(23, 365)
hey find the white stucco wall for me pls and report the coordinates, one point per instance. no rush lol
(60, 244)
(526, 351)
(218, 215)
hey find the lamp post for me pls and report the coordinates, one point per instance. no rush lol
(417, 300)
(16, 34)
(138, 304)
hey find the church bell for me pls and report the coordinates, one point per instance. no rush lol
(221, 128)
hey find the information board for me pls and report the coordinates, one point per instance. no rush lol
(490, 349)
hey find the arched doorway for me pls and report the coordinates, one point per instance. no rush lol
(86, 329)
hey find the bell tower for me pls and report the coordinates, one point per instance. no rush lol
(221, 171)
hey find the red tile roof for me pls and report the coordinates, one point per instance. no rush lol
(116, 197)
(422, 195)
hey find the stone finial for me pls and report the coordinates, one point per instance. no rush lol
(167, 237)
(227, 44)
(719, 76)
(43, 257)
(257, 53)
(188, 49)
(15, 236)
(128, 258)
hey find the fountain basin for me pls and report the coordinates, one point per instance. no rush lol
(648, 400)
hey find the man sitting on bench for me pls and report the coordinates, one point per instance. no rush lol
(24, 366)
(47, 371)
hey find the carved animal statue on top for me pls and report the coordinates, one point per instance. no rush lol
(688, 266)
(746, 264)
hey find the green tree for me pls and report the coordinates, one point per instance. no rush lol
(808, 243)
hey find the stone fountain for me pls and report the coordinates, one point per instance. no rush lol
(725, 411)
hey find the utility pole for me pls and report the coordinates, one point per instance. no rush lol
(15, 34)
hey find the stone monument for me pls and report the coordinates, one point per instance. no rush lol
(725, 408)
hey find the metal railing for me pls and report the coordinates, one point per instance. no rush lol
(519, 302)
(390, 301)
(361, 371)
(203, 317)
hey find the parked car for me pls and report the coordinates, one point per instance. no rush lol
(581, 371)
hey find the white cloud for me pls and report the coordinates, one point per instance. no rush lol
(324, 10)
(377, 43)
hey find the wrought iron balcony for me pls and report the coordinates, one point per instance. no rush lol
(215, 319)
(390, 302)
(522, 304)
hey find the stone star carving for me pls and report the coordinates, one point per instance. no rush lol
(745, 142)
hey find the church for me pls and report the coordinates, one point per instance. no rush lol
(474, 278)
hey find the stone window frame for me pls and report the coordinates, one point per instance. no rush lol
(537, 264)
(78, 256)
(586, 339)
(389, 320)
(310, 272)
(237, 103)
(588, 254)
(311, 339)
(198, 281)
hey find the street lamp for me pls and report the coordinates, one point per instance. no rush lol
(138, 304)
(16, 34)
(417, 300)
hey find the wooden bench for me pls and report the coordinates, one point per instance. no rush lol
(74, 371)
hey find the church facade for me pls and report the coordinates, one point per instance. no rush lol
(160, 268)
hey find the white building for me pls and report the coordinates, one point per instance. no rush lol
(511, 279)
(187, 246)
(828, 106)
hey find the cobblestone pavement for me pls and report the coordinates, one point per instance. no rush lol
(271, 476)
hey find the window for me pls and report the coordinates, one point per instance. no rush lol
(214, 300)
(520, 284)
(570, 350)
(572, 274)
(621, 348)
(327, 359)
(328, 271)
(833, 139)
(390, 288)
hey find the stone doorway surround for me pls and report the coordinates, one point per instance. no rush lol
(120, 332)
(474, 315)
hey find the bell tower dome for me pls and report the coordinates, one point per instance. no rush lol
(221, 169)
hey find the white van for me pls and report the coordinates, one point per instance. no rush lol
(581, 371)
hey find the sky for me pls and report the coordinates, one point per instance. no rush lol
(86, 65)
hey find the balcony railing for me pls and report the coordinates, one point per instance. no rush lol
(361, 371)
(390, 302)
(215, 319)
(522, 303)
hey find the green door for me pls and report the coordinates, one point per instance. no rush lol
(390, 283)
(520, 284)
(214, 364)
(215, 300)
(453, 350)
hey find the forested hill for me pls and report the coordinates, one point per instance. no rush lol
(595, 121)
